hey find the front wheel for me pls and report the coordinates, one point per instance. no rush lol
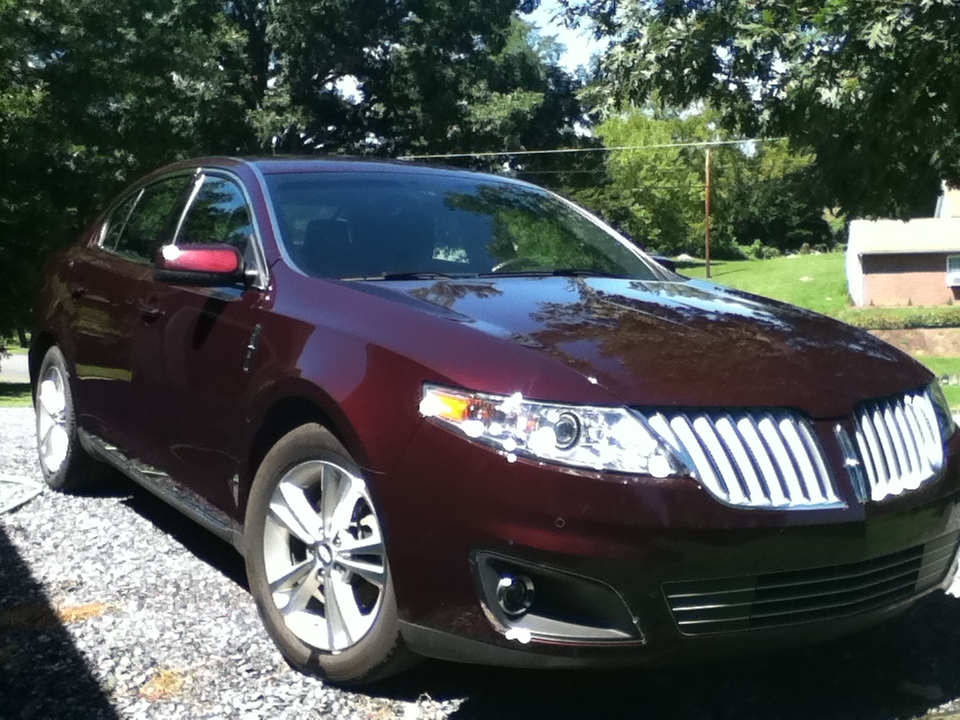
(317, 563)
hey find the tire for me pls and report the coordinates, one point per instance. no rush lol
(311, 551)
(66, 466)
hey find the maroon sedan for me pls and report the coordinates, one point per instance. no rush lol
(453, 415)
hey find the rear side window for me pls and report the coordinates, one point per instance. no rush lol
(117, 222)
(137, 233)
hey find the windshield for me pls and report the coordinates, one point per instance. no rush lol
(395, 224)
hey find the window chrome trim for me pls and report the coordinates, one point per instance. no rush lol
(136, 189)
(263, 274)
(278, 240)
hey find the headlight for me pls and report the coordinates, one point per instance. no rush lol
(942, 409)
(601, 438)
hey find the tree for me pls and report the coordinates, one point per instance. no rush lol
(769, 196)
(96, 92)
(655, 194)
(761, 191)
(391, 78)
(871, 88)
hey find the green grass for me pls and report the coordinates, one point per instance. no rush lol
(817, 282)
(15, 395)
(949, 366)
(946, 368)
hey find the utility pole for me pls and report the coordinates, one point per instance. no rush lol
(707, 212)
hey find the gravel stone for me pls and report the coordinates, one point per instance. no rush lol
(112, 605)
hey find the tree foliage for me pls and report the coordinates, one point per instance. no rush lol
(96, 92)
(871, 88)
(90, 93)
(761, 192)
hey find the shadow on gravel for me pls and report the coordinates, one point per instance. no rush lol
(202, 543)
(42, 674)
(902, 669)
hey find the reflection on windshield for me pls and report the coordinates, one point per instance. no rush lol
(370, 224)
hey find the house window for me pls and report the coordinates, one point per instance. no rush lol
(953, 271)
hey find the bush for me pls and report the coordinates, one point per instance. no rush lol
(902, 318)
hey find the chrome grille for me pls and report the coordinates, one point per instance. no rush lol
(756, 459)
(899, 444)
(706, 607)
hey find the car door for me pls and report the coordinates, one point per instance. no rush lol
(106, 285)
(191, 365)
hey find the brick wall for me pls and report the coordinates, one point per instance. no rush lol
(919, 279)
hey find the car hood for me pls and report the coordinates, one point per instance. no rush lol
(676, 343)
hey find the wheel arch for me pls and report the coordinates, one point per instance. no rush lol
(287, 413)
(40, 343)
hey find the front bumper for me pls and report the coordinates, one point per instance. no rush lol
(658, 571)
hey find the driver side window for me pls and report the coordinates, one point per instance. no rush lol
(219, 214)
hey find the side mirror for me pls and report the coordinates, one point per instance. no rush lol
(210, 265)
(664, 262)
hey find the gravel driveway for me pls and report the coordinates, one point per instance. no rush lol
(113, 606)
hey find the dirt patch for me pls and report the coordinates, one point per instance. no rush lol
(924, 341)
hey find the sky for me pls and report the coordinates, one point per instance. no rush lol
(579, 45)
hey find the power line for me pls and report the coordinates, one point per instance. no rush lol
(559, 151)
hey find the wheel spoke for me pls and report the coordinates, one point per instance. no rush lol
(51, 398)
(329, 490)
(281, 511)
(45, 440)
(370, 545)
(59, 441)
(296, 574)
(301, 595)
(302, 509)
(336, 606)
(348, 498)
(374, 573)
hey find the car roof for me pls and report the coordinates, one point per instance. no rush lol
(284, 164)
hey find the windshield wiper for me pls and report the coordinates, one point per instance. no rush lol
(575, 272)
(557, 272)
(418, 276)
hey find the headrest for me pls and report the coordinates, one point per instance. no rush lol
(323, 233)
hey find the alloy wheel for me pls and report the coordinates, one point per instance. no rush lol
(324, 555)
(52, 431)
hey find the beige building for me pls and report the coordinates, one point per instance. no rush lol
(894, 263)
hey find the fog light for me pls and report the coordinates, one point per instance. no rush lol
(515, 594)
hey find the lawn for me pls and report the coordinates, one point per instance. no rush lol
(15, 395)
(817, 282)
(946, 368)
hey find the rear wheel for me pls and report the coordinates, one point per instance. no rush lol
(66, 466)
(317, 562)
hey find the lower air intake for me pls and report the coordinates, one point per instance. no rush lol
(790, 598)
